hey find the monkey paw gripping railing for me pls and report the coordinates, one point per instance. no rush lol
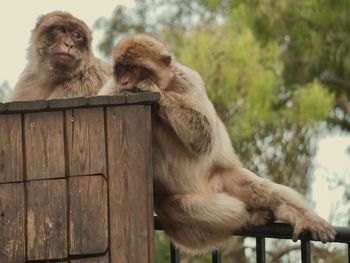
(273, 230)
(76, 184)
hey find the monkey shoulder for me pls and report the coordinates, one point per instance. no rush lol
(98, 70)
(188, 79)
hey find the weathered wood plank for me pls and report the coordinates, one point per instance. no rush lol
(149, 178)
(67, 103)
(88, 215)
(107, 100)
(46, 219)
(26, 105)
(102, 259)
(142, 97)
(128, 160)
(86, 141)
(44, 145)
(11, 159)
(79, 102)
(12, 237)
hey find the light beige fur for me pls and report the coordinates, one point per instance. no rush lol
(202, 192)
(60, 64)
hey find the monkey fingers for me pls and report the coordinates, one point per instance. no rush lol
(318, 228)
(147, 85)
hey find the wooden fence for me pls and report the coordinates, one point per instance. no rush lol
(75, 180)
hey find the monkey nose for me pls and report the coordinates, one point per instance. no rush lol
(69, 44)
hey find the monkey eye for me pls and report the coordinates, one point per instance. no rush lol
(77, 35)
(60, 29)
(131, 67)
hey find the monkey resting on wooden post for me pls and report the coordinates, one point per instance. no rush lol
(60, 61)
(202, 191)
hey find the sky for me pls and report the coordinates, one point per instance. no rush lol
(18, 18)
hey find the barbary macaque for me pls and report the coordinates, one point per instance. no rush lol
(60, 61)
(203, 194)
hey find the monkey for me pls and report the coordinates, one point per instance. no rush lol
(202, 192)
(60, 61)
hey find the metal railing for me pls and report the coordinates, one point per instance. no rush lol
(273, 230)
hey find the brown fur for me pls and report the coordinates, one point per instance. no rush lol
(75, 71)
(202, 192)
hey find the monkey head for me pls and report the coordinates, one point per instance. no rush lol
(60, 43)
(141, 57)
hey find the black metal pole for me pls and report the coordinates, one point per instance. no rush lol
(174, 254)
(216, 257)
(260, 250)
(305, 251)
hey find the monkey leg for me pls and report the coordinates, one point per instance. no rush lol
(287, 205)
(199, 223)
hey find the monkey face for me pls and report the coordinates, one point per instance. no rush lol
(61, 43)
(127, 76)
(63, 46)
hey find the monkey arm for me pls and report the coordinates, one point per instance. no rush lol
(287, 205)
(182, 113)
(191, 124)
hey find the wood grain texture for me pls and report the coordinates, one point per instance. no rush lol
(86, 141)
(79, 102)
(12, 237)
(107, 100)
(46, 219)
(128, 160)
(67, 103)
(88, 215)
(102, 259)
(3, 107)
(11, 159)
(142, 97)
(44, 143)
(149, 178)
(21, 106)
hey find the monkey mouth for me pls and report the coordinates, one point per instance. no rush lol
(64, 56)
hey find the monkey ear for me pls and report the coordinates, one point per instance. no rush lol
(166, 59)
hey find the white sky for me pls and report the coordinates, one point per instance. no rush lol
(331, 159)
(18, 18)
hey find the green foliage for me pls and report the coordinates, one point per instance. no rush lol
(162, 247)
(312, 103)
(314, 35)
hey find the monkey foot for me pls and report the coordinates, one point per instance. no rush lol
(318, 227)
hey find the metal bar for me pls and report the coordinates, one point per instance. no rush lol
(260, 250)
(305, 251)
(280, 231)
(216, 257)
(174, 254)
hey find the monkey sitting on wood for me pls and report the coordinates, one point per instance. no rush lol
(202, 192)
(60, 61)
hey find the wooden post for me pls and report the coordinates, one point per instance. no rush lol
(76, 180)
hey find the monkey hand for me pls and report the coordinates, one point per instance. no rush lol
(318, 227)
(147, 85)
